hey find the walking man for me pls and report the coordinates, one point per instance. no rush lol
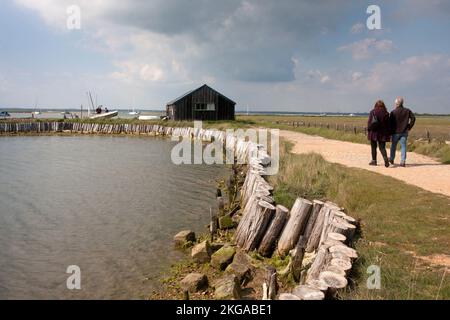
(402, 121)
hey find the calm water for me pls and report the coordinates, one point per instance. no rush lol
(110, 205)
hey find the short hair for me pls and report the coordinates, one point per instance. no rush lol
(399, 101)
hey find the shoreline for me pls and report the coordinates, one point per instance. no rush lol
(245, 204)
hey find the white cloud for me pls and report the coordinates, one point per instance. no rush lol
(367, 48)
(356, 76)
(151, 73)
(404, 75)
(325, 79)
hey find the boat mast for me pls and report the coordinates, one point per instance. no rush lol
(91, 103)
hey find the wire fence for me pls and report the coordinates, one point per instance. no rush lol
(418, 134)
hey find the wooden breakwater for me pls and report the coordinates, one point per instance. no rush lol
(82, 127)
(243, 150)
(320, 230)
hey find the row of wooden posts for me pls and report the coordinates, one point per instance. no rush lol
(317, 228)
(80, 127)
(243, 148)
(346, 128)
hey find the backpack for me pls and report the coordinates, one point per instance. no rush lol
(374, 125)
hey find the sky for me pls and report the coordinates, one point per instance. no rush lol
(286, 55)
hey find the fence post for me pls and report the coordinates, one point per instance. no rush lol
(428, 136)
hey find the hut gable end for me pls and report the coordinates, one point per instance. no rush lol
(203, 103)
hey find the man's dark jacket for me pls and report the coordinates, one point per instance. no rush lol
(402, 120)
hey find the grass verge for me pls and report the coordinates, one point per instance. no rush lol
(405, 230)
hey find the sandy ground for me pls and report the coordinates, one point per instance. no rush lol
(421, 171)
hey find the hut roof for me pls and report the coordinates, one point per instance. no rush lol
(192, 91)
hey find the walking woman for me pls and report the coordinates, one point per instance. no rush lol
(379, 131)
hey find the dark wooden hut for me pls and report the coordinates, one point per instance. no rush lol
(203, 103)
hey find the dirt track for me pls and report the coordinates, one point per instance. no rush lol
(420, 171)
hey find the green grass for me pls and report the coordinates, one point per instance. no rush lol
(436, 149)
(400, 224)
(437, 126)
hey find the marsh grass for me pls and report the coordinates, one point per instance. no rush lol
(436, 149)
(399, 224)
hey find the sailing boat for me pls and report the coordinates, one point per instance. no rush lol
(134, 112)
(100, 115)
(36, 111)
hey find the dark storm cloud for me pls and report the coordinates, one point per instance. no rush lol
(251, 40)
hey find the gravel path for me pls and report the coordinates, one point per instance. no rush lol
(421, 171)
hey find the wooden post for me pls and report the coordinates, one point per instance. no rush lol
(220, 205)
(318, 264)
(314, 238)
(308, 292)
(258, 225)
(273, 231)
(272, 284)
(317, 206)
(295, 226)
(297, 258)
(333, 280)
(212, 225)
(428, 136)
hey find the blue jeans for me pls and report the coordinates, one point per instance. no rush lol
(403, 138)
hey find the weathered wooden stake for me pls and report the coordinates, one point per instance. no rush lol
(212, 225)
(273, 231)
(297, 258)
(295, 226)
